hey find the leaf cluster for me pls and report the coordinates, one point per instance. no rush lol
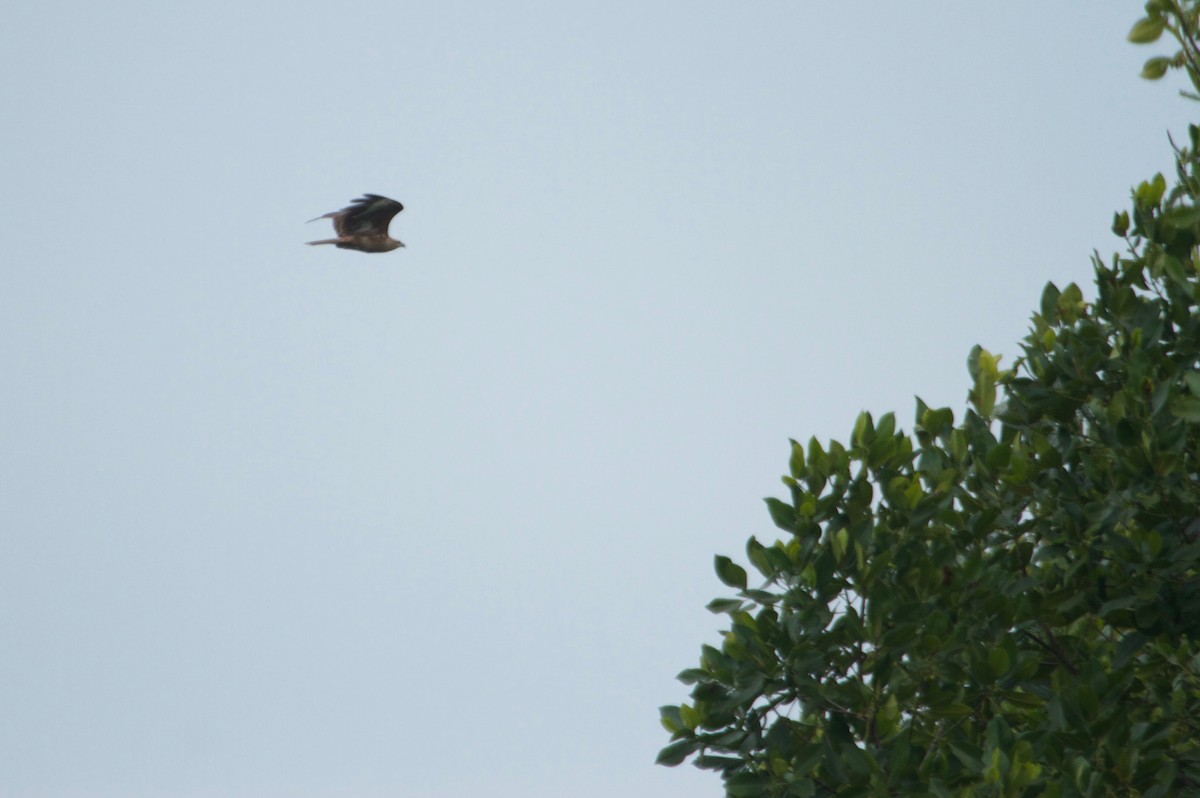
(1180, 19)
(1006, 604)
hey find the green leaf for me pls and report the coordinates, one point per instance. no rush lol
(782, 513)
(1023, 699)
(983, 368)
(882, 449)
(970, 755)
(690, 717)
(1182, 217)
(1122, 603)
(998, 661)
(692, 675)
(1146, 30)
(1186, 408)
(1154, 69)
(1070, 303)
(745, 785)
(796, 466)
(676, 752)
(1192, 380)
(839, 541)
(730, 572)
(939, 421)
(818, 460)
(725, 606)
(864, 431)
(913, 495)
(952, 711)
(1120, 225)
(1050, 295)
(886, 426)
(1149, 192)
(761, 559)
(802, 788)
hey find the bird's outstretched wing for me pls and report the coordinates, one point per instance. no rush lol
(369, 215)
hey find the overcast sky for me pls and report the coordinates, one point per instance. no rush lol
(280, 521)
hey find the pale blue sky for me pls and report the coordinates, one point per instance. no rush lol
(291, 521)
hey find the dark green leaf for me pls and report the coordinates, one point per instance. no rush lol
(1050, 296)
(745, 785)
(676, 752)
(1120, 224)
(719, 606)
(782, 514)
(1182, 217)
(1186, 408)
(730, 572)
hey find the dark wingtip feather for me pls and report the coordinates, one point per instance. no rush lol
(374, 197)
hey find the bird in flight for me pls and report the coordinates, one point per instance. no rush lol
(363, 225)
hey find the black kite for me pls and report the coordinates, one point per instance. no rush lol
(363, 225)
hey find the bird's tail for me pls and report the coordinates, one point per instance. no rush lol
(326, 241)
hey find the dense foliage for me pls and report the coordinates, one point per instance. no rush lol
(1008, 604)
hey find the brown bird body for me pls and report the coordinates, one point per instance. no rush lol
(363, 225)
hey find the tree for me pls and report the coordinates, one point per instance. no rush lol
(1008, 605)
